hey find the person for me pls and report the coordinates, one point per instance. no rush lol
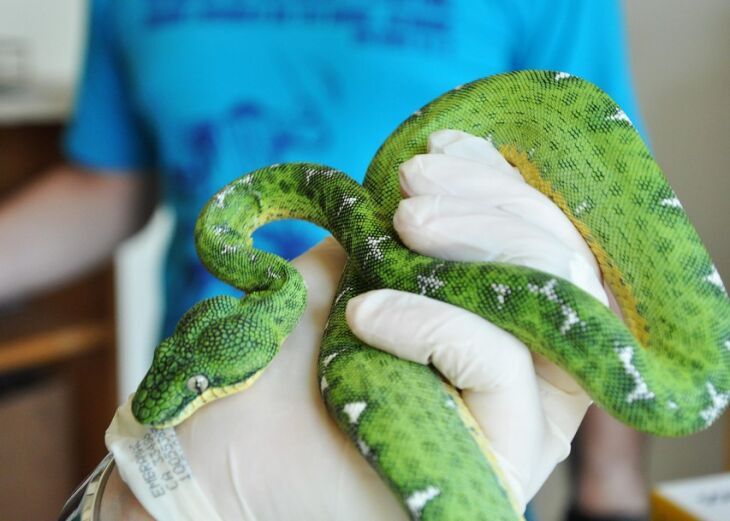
(200, 91)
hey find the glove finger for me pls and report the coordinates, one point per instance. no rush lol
(424, 330)
(564, 404)
(439, 174)
(491, 367)
(458, 144)
(433, 174)
(426, 224)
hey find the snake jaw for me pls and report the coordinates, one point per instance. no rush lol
(176, 413)
(207, 396)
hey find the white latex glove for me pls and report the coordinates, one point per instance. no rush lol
(465, 202)
(272, 452)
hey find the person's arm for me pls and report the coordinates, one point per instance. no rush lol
(65, 223)
(75, 214)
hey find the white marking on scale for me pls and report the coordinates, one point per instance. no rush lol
(229, 248)
(417, 501)
(429, 283)
(582, 207)
(714, 278)
(571, 318)
(548, 290)
(220, 229)
(641, 391)
(671, 202)
(562, 76)
(502, 291)
(323, 384)
(341, 294)
(329, 358)
(354, 410)
(619, 115)
(309, 172)
(719, 402)
(347, 202)
(672, 405)
(220, 197)
(374, 246)
(364, 449)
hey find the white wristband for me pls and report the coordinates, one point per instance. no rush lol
(151, 462)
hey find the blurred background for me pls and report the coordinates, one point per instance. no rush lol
(106, 324)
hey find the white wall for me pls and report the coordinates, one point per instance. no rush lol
(52, 31)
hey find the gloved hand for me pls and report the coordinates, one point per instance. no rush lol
(272, 452)
(464, 202)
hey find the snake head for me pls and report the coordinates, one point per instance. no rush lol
(218, 347)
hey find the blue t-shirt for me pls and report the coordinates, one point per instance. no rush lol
(203, 91)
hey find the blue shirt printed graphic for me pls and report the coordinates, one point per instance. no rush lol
(203, 91)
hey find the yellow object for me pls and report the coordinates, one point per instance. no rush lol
(698, 499)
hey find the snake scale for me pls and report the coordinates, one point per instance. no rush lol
(665, 370)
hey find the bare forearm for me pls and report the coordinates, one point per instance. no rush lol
(63, 224)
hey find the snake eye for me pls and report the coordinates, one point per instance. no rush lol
(198, 383)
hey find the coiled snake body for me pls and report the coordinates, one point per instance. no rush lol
(666, 371)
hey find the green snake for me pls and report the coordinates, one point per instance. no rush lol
(665, 371)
